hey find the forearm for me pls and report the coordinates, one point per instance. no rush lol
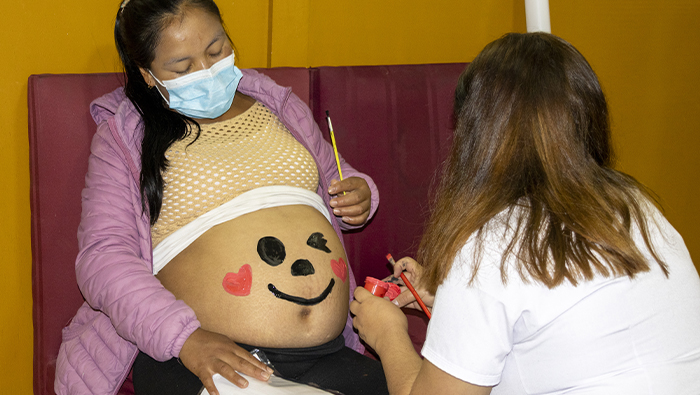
(400, 361)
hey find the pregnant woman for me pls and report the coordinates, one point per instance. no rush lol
(211, 224)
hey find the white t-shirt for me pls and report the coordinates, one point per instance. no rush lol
(607, 336)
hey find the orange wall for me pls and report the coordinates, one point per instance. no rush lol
(647, 56)
(644, 52)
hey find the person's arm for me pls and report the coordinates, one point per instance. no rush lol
(115, 279)
(431, 378)
(110, 269)
(361, 198)
(297, 116)
(384, 327)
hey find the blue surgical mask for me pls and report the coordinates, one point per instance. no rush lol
(205, 93)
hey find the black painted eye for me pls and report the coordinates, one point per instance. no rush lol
(302, 267)
(271, 250)
(317, 241)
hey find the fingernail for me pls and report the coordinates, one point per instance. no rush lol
(395, 302)
(336, 212)
(265, 375)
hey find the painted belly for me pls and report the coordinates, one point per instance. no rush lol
(273, 278)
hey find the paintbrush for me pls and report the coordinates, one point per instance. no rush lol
(335, 147)
(410, 287)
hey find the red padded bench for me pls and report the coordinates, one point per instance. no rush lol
(392, 122)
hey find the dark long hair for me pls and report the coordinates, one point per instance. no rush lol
(137, 33)
(532, 140)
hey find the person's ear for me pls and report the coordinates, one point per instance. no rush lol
(150, 81)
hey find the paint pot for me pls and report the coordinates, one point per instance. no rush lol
(376, 287)
(393, 291)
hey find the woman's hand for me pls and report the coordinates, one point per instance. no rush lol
(206, 353)
(354, 205)
(377, 319)
(413, 272)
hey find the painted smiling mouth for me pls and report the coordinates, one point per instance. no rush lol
(302, 301)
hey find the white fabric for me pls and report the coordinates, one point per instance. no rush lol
(607, 336)
(248, 202)
(274, 386)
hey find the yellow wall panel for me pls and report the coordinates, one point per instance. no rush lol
(646, 56)
(368, 32)
(246, 21)
(644, 51)
(290, 34)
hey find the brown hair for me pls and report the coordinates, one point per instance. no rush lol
(532, 138)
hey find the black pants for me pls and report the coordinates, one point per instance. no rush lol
(330, 366)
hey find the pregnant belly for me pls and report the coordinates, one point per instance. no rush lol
(276, 277)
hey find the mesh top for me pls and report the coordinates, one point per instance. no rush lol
(230, 157)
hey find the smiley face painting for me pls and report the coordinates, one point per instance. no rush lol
(276, 277)
(272, 251)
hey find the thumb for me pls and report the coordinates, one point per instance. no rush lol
(361, 294)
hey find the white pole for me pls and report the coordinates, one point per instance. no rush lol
(537, 16)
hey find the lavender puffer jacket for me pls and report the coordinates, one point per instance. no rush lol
(127, 309)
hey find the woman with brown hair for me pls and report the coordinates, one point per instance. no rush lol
(551, 271)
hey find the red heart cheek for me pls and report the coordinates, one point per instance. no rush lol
(339, 268)
(238, 284)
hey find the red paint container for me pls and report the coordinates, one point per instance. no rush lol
(393, 291)
(376, 287)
